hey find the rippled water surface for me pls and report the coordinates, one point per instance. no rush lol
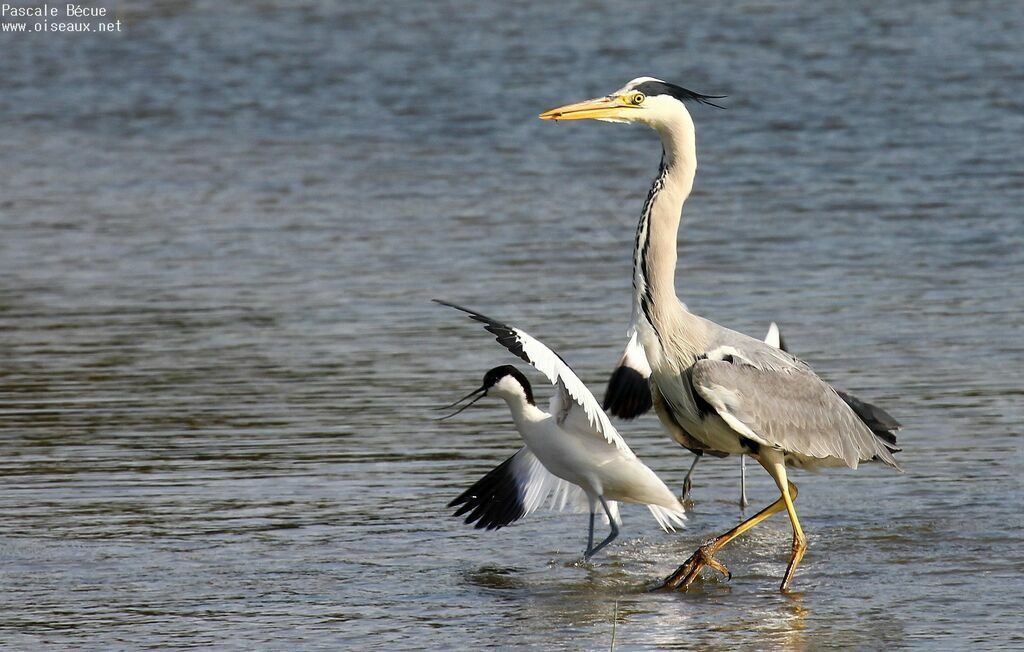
(222, 227)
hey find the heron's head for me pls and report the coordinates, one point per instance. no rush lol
(645, 100)
(505, 381)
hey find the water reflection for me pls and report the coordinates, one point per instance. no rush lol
(495, 577)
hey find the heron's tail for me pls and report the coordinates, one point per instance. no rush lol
(882, 425)
(878, 420)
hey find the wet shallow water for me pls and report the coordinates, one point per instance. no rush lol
(222, 229)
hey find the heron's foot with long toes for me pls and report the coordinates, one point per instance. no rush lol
(799, 548)
(686, 574)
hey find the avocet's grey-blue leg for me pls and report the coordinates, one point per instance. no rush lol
(611, 521)
(590, 537)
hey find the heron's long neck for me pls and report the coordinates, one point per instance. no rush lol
(654, 262)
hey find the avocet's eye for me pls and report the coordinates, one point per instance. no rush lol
(637, 99)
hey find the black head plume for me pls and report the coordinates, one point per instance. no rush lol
(654, 88)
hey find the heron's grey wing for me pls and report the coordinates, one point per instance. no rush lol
(516, 487)
(549, 363)
(628, 394)
(789, 409)
(881, 422)
(878, 420)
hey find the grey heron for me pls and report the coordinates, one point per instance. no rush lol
(714, 389)
(573, 454)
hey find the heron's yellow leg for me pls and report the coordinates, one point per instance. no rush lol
(799, 540)
(690, 569)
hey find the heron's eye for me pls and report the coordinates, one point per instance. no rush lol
(638, 99)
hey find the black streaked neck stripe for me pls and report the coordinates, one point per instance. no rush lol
(642, 245)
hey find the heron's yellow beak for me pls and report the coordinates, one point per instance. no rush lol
(599, 108)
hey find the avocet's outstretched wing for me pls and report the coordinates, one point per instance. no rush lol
(550, 364)
(516, 487)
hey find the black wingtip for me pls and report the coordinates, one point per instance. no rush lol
(628, 394)
(473, 314)
(493, 501)
(503, 333)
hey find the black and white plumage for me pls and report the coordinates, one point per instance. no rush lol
(515, 488)
(716, 390)
(573, 454)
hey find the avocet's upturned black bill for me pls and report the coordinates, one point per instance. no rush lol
(573, 455)
(716, 390)
(491, 378)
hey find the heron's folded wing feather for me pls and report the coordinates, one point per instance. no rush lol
(790, 409)
(878, 420)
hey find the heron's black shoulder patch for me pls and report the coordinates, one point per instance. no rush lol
(628, 394)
